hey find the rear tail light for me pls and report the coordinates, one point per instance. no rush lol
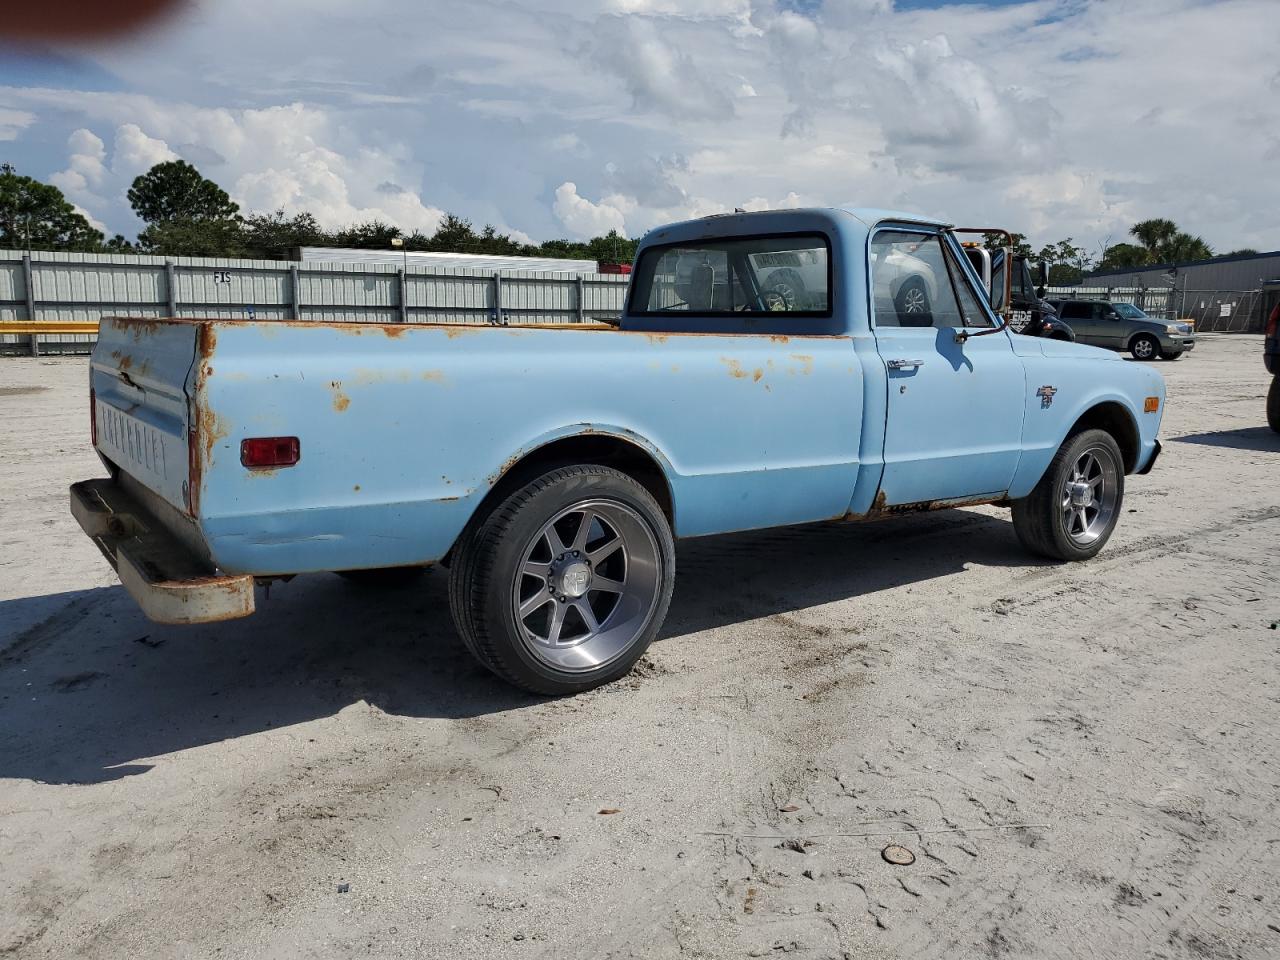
(259, 453)
(93, 417)
(1273, 321)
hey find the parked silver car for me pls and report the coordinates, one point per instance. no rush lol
(1122, 326)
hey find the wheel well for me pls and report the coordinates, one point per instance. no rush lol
(598, 448)
(1117, 421)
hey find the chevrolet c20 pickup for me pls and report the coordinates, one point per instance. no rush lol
(769, 368)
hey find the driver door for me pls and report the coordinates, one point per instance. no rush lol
(954, 422)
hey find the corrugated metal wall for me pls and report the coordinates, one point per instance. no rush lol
(445, 261)
(74, 286)
(1223, 273)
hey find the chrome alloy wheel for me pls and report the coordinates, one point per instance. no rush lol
(1144, 349)
(1090, 495)
(914, 301)
(780, 296)
(587, 585)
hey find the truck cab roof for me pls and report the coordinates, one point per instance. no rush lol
(834, 219)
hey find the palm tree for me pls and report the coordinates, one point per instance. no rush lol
(1154, 235)
(1183, 247)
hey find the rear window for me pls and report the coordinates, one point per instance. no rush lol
(776, 274)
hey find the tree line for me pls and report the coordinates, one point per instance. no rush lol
(1158, 241)
(187, 215)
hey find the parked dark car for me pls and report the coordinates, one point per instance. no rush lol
(1122, 326)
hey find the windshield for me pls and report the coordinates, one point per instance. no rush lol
(1129, 311)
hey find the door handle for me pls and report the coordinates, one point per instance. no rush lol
(904, 364)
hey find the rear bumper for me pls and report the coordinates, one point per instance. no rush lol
(169, 582)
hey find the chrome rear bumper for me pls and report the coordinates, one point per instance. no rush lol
(169, 582)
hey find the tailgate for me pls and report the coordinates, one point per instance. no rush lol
(138, 376)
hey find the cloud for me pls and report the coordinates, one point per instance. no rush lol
(583, 218)
(658, 74)
(949, 116)
(13, 122)
(85, 169)
(136, 153)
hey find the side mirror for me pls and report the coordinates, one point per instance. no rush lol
(1042, 275)
(1110, 315)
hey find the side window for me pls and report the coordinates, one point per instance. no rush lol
(1098, 311)
(970, 309)
(1075, 311)
(911, 285)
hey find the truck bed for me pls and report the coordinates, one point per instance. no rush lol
(404, 429)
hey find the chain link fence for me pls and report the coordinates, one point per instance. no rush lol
(1212, 311)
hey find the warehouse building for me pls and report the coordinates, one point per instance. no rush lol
(1222, 293)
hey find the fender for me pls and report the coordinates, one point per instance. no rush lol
(1046, 427)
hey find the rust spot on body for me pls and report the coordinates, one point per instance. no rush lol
(435, 376)
(755, 377)
(395, 332)
(656, 337)
(779, 338)
(806, 362)
(340, 400)
(735, 368)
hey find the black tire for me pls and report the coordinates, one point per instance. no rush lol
(1171, 356)
(1145, 347)
(384, 577)
(1273, 405)
(912, 304)
(1038, 517)
(492, 549)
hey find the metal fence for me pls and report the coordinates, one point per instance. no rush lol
(1158, 302)
(1212, 311)
(86, 287)
(1223, 311)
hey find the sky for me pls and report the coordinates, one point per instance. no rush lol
(567, 118)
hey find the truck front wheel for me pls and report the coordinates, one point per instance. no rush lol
(1074, 508)
(563, 586)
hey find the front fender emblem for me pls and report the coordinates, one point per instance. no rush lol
(1045, 394)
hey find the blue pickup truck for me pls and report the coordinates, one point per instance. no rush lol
(770, 368)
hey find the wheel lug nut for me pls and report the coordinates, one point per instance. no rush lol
(575, 553)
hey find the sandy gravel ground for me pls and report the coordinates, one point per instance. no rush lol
(1084, 760)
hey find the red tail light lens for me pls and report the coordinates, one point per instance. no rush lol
(1273, 320)
(93, 417)
(259, 453)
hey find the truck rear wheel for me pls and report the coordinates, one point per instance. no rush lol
(1273, 405)
(563, 585)
(1074, 508)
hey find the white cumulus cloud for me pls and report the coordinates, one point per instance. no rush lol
(583, 218)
